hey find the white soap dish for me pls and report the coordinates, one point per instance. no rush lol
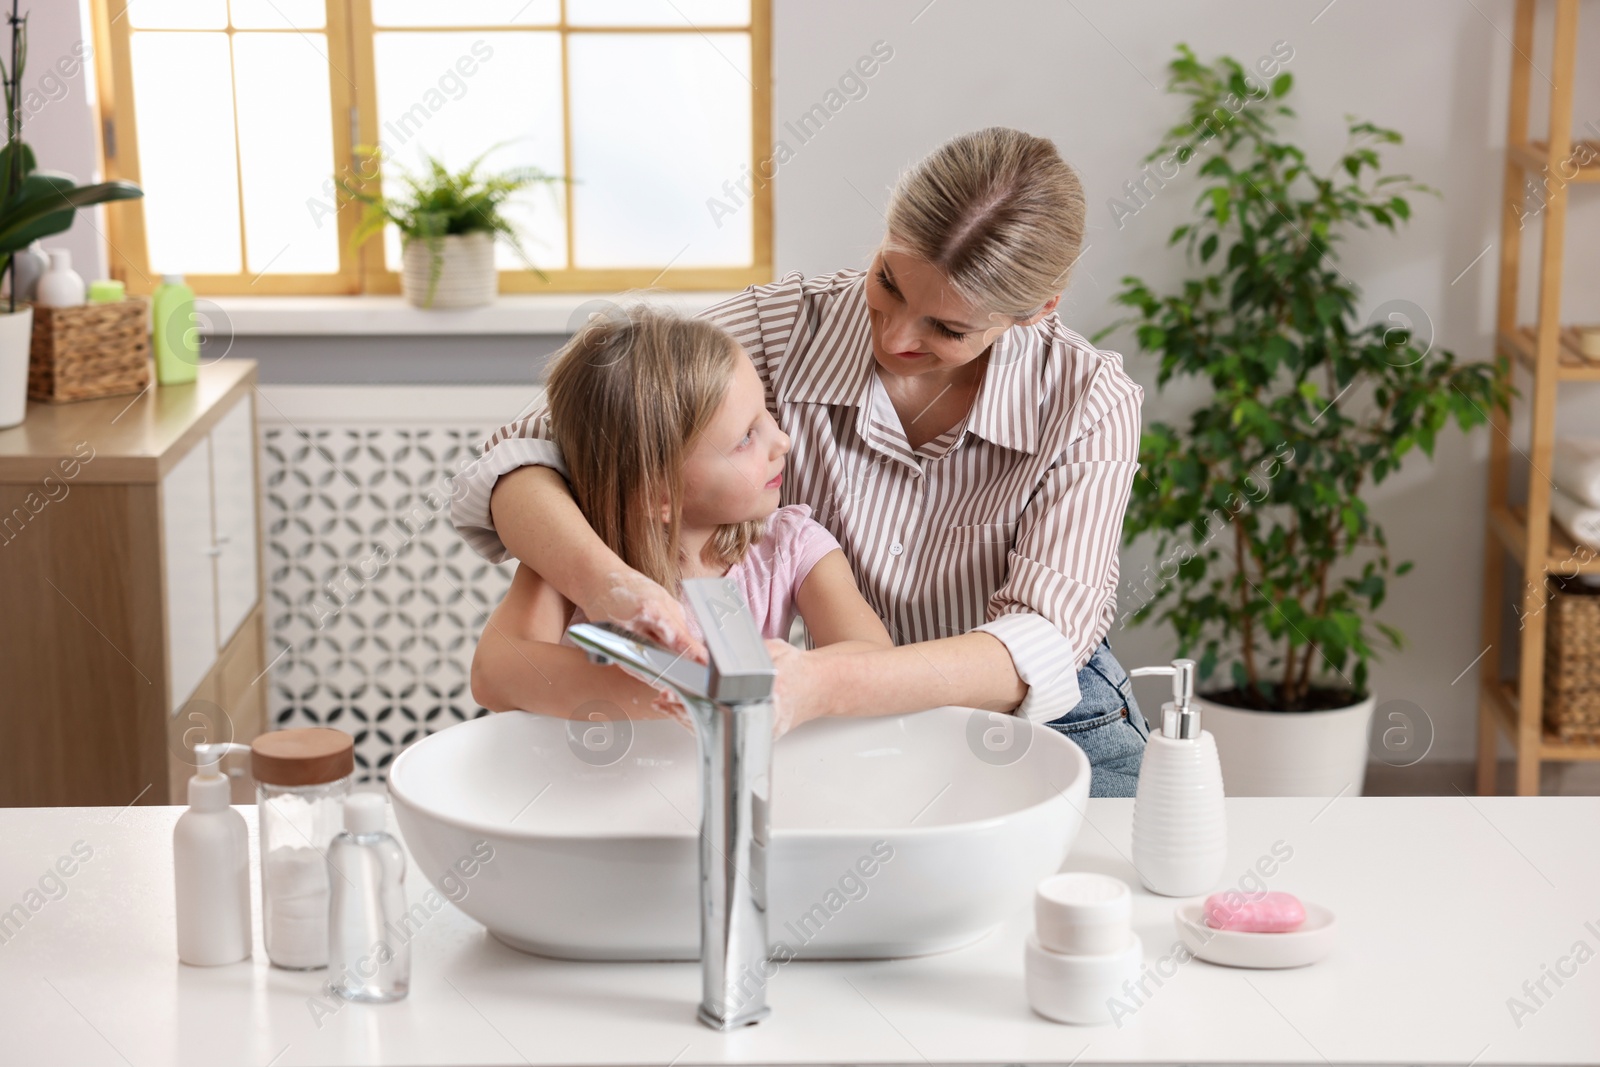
(1235, 948)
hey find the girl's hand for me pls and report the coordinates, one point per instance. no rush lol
(667, 704)
(634, 601)
(798, 694)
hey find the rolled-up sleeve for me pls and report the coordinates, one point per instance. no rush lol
(1058, 598)
(518, 443)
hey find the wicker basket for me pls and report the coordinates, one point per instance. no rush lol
(1572, 661)
(88, 351)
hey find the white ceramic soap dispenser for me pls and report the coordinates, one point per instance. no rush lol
(211, 857)
(1180, 831)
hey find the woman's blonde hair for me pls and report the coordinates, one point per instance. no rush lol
(628, 395)
(999, 212)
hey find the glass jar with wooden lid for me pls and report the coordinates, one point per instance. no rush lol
(302, 779)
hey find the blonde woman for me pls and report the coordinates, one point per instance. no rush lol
(972, 455)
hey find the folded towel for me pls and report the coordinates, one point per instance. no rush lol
(1575, 467)
(1579, 520)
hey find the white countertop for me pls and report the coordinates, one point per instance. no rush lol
(1447, 905)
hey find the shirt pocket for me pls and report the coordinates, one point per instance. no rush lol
(982, 533)
(971, 566)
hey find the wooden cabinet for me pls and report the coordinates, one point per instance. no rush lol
(131, 582)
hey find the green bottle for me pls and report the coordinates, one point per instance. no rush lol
(175, 335)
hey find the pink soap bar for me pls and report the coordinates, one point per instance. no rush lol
(1256, 913)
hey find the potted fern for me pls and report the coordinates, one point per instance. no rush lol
(448, 225)
(1271, 567)
(33, 204)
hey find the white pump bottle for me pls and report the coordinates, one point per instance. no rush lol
(1180, 831)
(211, 856)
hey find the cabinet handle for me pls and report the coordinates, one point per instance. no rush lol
(214, 550)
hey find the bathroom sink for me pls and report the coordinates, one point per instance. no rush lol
(891, 836)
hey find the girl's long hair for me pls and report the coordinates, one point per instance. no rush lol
(628, 396)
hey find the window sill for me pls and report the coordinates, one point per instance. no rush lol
(511, 313)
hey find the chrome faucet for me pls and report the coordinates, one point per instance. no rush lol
(730, 703)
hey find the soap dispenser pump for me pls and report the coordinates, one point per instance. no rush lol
(1180, 834)
(211, 857)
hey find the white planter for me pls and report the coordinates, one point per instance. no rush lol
(16, 339)
(467, 275)
(1290, 753)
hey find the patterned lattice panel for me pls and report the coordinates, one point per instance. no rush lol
(374, 604)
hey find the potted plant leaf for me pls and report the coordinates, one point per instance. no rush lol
(448, 225)
(1271, 568)
(33, 204)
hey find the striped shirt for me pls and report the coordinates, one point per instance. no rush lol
(1007, 523)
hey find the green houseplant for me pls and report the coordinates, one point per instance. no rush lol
(1272, 567)
(33, 204)
(448, 222)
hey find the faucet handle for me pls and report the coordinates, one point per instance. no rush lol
(741, 670)
(1182, 672)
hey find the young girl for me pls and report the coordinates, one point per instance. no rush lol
(676, 463)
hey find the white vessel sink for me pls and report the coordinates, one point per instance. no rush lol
(893, 836)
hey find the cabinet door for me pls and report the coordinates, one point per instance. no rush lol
(233, 468)
(190, 581)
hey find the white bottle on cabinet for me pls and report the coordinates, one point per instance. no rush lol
(211, 860)
(1180, 830)
(28, 267)
(60, 286)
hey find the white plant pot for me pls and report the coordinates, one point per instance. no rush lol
(1290, 753)
(467, 275)
(16, 340)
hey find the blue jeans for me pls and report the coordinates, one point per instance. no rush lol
(1108, 725)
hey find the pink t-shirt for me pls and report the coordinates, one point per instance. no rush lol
(772, 571)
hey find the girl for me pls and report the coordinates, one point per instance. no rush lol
(675, 461)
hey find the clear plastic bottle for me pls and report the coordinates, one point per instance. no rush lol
(303, 777)
(368, 959)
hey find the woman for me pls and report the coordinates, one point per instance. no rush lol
(972, 455)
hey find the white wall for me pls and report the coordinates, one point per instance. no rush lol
(1089, 75)
(60, 115)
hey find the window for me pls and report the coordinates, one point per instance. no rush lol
(235, 116)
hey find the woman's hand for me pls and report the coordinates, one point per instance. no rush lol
(633, 601)
(800, 693)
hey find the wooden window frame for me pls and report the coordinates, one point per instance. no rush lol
(350, 38)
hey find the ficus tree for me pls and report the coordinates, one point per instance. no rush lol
(1272, 564)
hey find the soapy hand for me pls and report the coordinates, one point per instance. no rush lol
(797, 694)
(633, 601)
(669, 706)
(665, 703)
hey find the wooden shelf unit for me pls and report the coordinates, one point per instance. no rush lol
(1571, 364)
(1547, 353)
(1532, 155)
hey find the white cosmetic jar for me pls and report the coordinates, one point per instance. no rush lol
(1081, 913)
(1078, 989)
